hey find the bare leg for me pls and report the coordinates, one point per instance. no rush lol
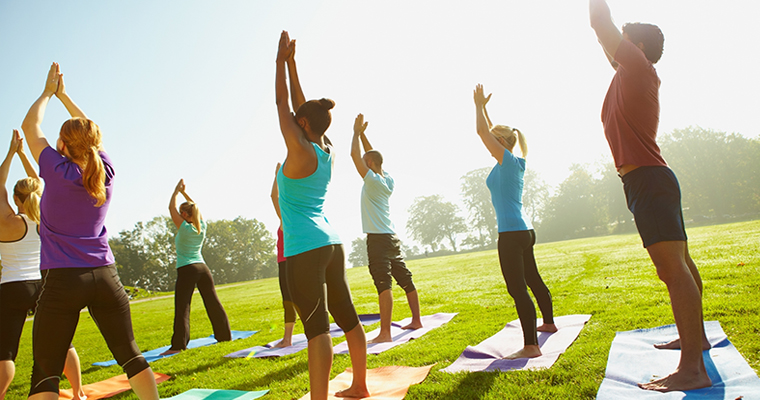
(287, 337)
(414, 306)
(320, 363)
(385, 298)
(7, 371)
(551, 328)
(357, 348)
(676, 343)
(73, 373)
(686, 302)
(529, 351)
(144, 385)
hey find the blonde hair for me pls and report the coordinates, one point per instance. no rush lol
(29, 191)
(194, 212)
(511, 136)
(83, 140)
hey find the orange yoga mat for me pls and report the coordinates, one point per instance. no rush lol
(107, 388)
(385, 383)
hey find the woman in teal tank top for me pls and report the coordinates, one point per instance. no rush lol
(192, 271)
(315, 258)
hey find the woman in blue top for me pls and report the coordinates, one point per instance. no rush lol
(516, 235)
(192, 271)
(315, 257)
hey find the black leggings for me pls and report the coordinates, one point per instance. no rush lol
(65, 291)
(518, 265)
(16, 300)
(317, 282)
(188, 277)
(287, 302)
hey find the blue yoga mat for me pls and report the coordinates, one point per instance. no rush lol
(215, 394)
(154, 355)
(633, 359)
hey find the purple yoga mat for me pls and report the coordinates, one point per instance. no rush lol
(400, 336)
(489, 354)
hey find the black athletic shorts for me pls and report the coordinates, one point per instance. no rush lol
(654, 197)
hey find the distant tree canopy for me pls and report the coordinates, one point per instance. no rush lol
(719, 174)
(234, 251)
(358, 255)
(433, 220)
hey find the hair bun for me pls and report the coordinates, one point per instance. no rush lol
(327, 104)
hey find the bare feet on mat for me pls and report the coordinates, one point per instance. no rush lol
(78, 396)
(530, 351)
(353, 392)
(413, 325)
(675, 344)
(282, 344)
(551, 328)
(169, 352)
(382, 338)
(680, 381)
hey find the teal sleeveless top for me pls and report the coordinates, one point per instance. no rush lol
(304, 224)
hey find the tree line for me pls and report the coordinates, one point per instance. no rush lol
(719, 174)
(237, 250)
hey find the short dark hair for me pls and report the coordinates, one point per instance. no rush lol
(376, 157)
(650, 35)
(317, 113)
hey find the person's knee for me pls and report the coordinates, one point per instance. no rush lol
(130, 359)
(344, 314)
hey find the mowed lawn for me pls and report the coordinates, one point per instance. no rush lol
(608, 277)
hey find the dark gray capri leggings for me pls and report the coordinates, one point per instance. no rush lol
(317, 282)
(17, 299)
(65, 291)
(385, 260)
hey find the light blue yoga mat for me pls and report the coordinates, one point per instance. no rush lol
(215, 394)
(299, 342)
(154, 355)
(633, 359)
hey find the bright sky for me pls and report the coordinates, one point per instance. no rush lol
(185, 89)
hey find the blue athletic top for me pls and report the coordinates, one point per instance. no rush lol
(506, 185)
(376, 210)
(189, 243)
(304, 224)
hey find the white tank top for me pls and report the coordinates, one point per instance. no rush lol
(21, 258)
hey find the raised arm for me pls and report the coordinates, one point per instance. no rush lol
(296, 93)
(276, 194)
(71, 107)
(482, 126)
(606, 32)
(28, 167)
(359, 127)
(302, 159)
(365, 143)
(173, 211)
(8, 219)
(31, 125)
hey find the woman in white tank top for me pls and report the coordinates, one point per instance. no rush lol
(20, 273)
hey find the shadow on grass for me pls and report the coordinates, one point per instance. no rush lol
(475, 385)
(278, 375)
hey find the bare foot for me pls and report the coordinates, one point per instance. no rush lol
(530, 351)
(169, 352)
(676, 344)
(551, 328)
(354, 392)
(679, 381)
(413, 325)
(79, 396)
(382, 338)
(282, 344)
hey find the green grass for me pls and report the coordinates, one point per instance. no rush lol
(608, 277)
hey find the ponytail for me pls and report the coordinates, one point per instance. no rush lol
(192, 209)
(29, 191)
(94, 176)
(522, 141)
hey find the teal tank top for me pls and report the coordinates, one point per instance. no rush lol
(189, 244)
(304, 224)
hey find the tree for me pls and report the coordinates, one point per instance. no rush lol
(145, 255)
(572, 211)
(239, 250)
(477, 198)
(432, 220)
(535, 196)
(358, 256)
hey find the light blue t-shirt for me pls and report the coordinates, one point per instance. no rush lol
(376, 210)
(189, 243)
(304, 224)
(506, 185)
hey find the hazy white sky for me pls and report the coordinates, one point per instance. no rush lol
(185, 89)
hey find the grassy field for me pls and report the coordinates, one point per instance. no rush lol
(608, 277)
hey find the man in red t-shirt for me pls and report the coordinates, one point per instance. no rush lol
(630, 116)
